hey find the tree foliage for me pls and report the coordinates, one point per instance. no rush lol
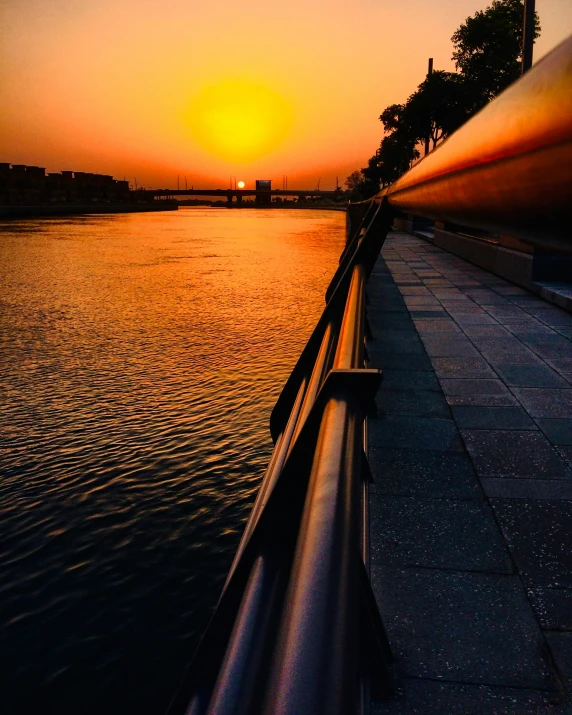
(487, 54)
(488, 46)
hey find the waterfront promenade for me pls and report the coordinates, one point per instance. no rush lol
(471, 506)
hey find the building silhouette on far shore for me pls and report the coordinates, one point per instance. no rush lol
(22, 185)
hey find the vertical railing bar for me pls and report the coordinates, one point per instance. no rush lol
(317, 378)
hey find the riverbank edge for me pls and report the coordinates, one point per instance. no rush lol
(7, 212)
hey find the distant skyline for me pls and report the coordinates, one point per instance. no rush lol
(249, 89)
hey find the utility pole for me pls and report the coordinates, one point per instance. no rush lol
(528, 35)
(429, 73)
(177, 182)
(185, 183)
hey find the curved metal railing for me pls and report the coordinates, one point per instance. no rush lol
(509, 168)
(296, 630)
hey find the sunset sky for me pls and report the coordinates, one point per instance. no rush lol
(252, 88)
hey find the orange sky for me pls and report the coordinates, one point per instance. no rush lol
(209, 89)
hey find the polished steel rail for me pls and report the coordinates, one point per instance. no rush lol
(296, 630)
(509, 168)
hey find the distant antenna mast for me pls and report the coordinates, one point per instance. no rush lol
(185, 183)
(318, 187)
(135, 182)
(177, 182)
(429, 73)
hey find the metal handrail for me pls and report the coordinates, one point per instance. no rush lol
(509, 168)
(296, 626)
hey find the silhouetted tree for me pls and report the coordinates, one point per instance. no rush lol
(488, 46)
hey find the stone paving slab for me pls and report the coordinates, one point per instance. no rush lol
(407, 430)
(539, 537)
(437, 533)
(414, 472)
(471, 506)
(514, 454)
(553, 607)
(561, 647)
(428, 697)
(495, 418)
(463, 627)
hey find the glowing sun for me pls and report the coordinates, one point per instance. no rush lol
(241, 184)
(238, 120)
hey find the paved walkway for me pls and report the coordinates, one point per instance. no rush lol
(472, 502)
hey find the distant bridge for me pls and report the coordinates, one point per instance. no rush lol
(260, 196)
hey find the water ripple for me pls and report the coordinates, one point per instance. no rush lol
(136, 382)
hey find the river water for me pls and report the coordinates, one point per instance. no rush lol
(141, 355)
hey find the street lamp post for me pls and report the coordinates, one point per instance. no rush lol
(527, 35)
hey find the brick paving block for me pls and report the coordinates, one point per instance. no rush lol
(545, 402)
(428, 313)
(566, 454)
(380, 322)
(462, 367)
(415, 290)
(473, 386)
(437, 283)
(423, 300)
(487, 299)
(473, 319)
(507, 400)
(423, 432)
(428, 697)
(507, 313)
(424, 473)
(427, 327)
(437, 533)
(486, 331)
(529, 375)
(560, 364)
(524, 301)
(539, 536)
(505, 343)
(449, 347)
(410, 380)
(517, 488)
(400, 341)
(561, 646)
(492, 418)
(558, 431)
(530, 330)
(511, 290)
(514, 454)
(553, 607)
(506, 354)
(446, 292)
(466, 309)
(387, 358)
(467, 627)
(419, 403)
(456, 301)
(553, 317)
(550, 349)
